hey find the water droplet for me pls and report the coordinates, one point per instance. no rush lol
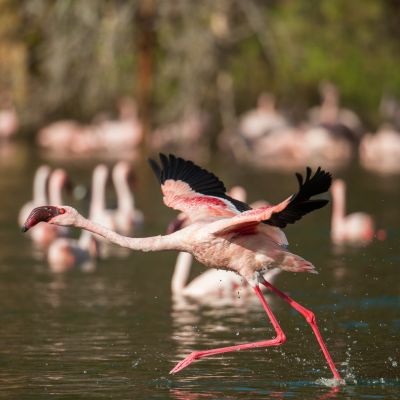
(135, 363)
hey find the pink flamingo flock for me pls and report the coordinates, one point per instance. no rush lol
(223, 233)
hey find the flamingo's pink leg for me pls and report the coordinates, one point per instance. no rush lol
(278, 340)
(310, 318)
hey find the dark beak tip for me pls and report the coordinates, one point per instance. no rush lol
(24, 229)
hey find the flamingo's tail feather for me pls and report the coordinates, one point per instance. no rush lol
(294, 263)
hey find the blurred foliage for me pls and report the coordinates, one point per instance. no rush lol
(70, 58)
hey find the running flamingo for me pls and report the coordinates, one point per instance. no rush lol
(357, 228)
(224, 233)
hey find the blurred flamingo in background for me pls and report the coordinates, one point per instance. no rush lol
(46, 234)
(224, 233)
(8, 118)
(39, 196)
(381, 152)
(184, 134)
(339, 121)
(333, 132)
(127, 216)
(356, 228)
(98, 211)
(65, 254)
(123, 133)
(261, 121)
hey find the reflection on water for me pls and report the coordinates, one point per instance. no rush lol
(116, 332)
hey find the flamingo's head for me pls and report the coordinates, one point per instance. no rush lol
(57, 215)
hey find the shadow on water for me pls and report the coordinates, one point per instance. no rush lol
(115, 332)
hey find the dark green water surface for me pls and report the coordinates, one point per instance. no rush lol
(115, 332)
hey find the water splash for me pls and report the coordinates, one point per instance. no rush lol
(330, 382)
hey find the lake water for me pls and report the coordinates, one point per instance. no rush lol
(115, 332)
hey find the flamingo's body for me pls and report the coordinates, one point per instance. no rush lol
(381, 152)
(213, 283)
(224, 233)
(322, 144)
(64, 254)
(263, 120)
(332, 116)
(355, 228)
(125, 132)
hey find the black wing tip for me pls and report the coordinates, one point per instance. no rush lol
(315, 184)
(155, 167)
(198, 178)
(301, 202)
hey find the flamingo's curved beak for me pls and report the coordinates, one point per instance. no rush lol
(40, 214)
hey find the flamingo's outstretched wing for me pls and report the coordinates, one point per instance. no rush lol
(193, 190)
(287, 212)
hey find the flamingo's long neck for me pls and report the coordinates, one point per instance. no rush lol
(181, 272)
(329, 111)
(339, 210)
(39, 186)
(154, 243)
(55, 188)
(125, 198)
(98, 200)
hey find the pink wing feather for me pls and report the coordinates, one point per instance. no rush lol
(194, 191)
(201, 195)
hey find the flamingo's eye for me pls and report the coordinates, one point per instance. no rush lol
(62, 210)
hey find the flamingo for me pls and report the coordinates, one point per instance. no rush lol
(98, 211)
(39, 193)
(8, 122)
(45, 234)
(339, 121)
(262, 121)
(224, 233)
(127, 217)
(125, 132)
(213, 282)
(381, 152)
(64, 254)
(356, 228)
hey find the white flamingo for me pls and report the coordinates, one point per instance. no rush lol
(46, 234)
(356, 228)
(381, 152)
(98, 211)
(65, 254)
(39, 196)
(127, 216)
